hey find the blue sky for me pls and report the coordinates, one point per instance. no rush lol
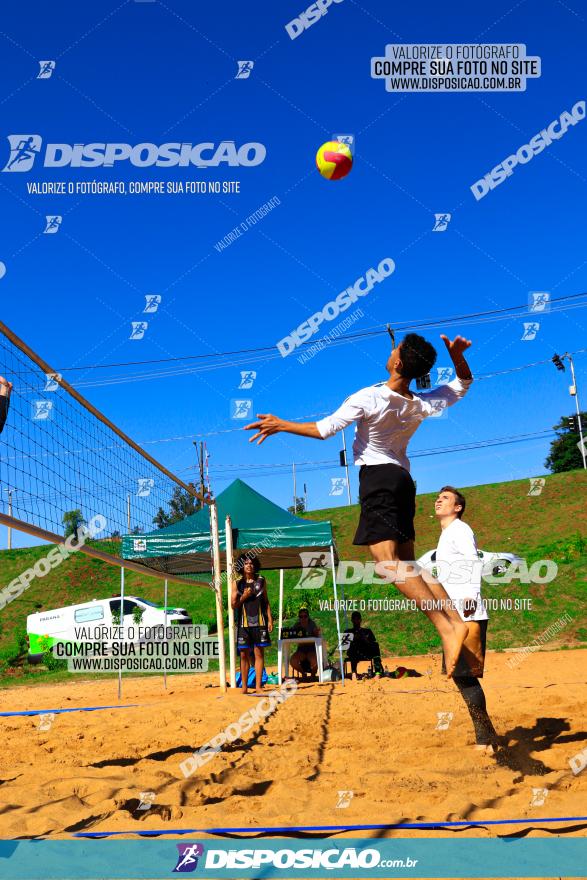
(158, 72)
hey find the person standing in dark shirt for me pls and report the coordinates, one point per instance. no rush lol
(254, 619)
(5, 390)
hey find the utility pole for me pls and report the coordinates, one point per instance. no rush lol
(573, 391)
(200, 451)
(305, 497)
(346, 465)
(128, 513)
(9, 528)
(295, 504)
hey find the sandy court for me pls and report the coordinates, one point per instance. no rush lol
(376, 739)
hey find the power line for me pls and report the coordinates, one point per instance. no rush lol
(402, 326)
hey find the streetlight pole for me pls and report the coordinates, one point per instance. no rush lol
(575, 393)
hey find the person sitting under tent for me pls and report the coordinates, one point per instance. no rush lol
(254, 619)
(5, 391)
(304, 660)
(363, 646)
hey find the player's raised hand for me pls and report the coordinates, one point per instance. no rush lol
(265, 427)
(456, 346)
(5, 387)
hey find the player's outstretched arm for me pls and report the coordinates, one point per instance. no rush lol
(268, 425)
(456, 349)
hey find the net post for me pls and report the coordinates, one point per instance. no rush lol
(121, 624)
(165, 598)
(229, 579)
(218, 592)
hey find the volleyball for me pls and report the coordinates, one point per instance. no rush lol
(334, 160)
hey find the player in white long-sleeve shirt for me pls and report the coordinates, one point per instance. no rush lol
(387, 415)
(458, 568)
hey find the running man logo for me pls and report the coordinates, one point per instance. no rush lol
(42, 410)
(52, 381)
(152, 303)
(537, 484)
(530, 331)
(313, 573)
(441, 222)
(578, 762)
(439, 407)
(240, 409)
(46, 719)
(53, 224)
(24, 149)
(444, 719)
(138, 329)
(144, 487)
(46, 69)
(443, 375)
(244, 69)
(147, 799)
(348, 139)
(187, 860)
(539, 301)
(338, 485)
(247, 379)
(539, 795)
(344, 799)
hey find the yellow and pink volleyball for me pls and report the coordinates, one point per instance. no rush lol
(334, 160)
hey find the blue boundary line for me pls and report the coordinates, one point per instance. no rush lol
(62, 711)
(289, 828)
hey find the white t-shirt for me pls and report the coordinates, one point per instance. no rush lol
(458, 567)
(387, 420)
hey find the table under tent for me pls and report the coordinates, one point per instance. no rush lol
(251, 522)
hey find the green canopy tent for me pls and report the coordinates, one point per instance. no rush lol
(253, 522)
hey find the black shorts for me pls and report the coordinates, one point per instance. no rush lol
(388, 504)
(249, 637)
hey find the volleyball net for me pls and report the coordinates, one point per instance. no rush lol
(67, 470)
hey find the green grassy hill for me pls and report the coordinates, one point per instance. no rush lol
(552, 525)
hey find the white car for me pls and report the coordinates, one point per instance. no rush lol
(494, 564)
(46, 628)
